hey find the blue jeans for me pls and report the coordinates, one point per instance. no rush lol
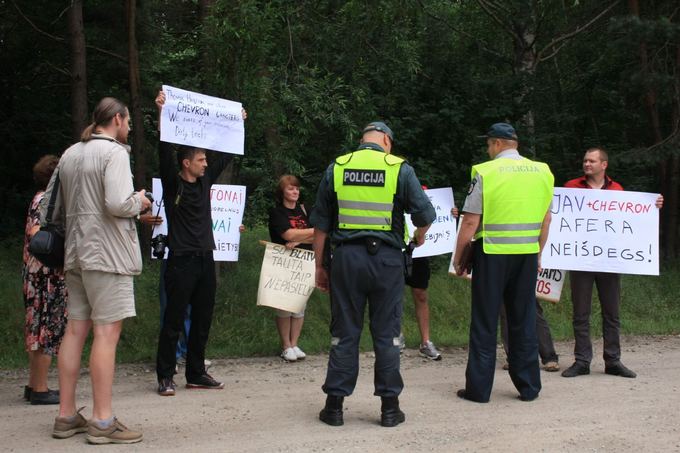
(182, 343)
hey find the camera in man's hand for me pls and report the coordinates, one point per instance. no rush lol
(158, 245)
(149, 197)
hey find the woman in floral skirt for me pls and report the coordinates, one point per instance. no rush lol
(44, 299)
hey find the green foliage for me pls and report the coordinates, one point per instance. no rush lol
(312, 73)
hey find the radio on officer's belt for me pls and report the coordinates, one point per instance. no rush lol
(408, 259)
(372, 245)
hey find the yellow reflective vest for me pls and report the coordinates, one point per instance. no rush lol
(516, 195)
(365, 183)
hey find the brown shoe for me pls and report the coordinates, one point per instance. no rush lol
(552, 366)
(117, 433)
(65, 428)
(506, 366)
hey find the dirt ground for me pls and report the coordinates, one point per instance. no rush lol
(268, 405)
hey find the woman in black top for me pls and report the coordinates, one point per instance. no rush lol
(289, 226)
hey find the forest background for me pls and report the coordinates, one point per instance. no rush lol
(569, 74)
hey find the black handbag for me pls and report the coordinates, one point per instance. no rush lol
(47, 245)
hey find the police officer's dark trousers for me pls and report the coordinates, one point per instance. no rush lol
(189, 279)
(508, 280)
(546, 347)
(356, 278)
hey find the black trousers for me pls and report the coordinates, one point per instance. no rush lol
(609, 292)
(189, 279)
(508, 280)
(358, 278)
(546, 347)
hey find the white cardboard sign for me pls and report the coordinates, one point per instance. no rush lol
(202, 121)
(441, 237)
(603, 231)
(287, 278)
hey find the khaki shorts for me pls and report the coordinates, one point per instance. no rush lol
(103, 297)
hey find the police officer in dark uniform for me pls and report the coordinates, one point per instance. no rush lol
(360, 206)
(508, 212)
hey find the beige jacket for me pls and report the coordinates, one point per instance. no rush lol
(97, 200)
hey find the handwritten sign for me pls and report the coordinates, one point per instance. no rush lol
(227, 203)
(202, 121)
(286, 278)
(452, 270)
(603, 231)
(549, 284)
(441, 237)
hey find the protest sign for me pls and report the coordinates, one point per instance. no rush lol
(287, 278)
(603, 231)
(549, 282)
(441, 237)
(202, 121)
(157, 208)
(227, 203)
(452, 270)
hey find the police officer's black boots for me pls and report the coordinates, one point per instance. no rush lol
(331, 414)
(391, 415)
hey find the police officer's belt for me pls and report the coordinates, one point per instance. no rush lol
(371, 243)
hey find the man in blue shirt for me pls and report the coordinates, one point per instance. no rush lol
(360, 208)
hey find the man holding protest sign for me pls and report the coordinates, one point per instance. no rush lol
(507, 211)
(190, 274)
(595, 163)
(360, 204)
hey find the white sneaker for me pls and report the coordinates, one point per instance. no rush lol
(299, 353)
(289, 355)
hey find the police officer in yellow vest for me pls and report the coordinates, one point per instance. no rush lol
(360, 206)
(507, 210)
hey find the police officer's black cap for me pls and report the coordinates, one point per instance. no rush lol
(380, 127)
(501, 130)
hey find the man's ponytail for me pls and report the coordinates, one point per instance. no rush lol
(87, 132)
(103, 114)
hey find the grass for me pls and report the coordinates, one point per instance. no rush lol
(242, 329)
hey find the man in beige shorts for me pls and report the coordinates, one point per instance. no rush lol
(97, 206)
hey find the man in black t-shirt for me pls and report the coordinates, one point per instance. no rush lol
(190, 274)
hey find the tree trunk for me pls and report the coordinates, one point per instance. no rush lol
(138, 140)
(672, 186)
(525, 66)
(649, 98)
(667, 168)
(76, 39)
(207, 63)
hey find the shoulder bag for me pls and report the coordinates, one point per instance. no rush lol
(47, 245)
